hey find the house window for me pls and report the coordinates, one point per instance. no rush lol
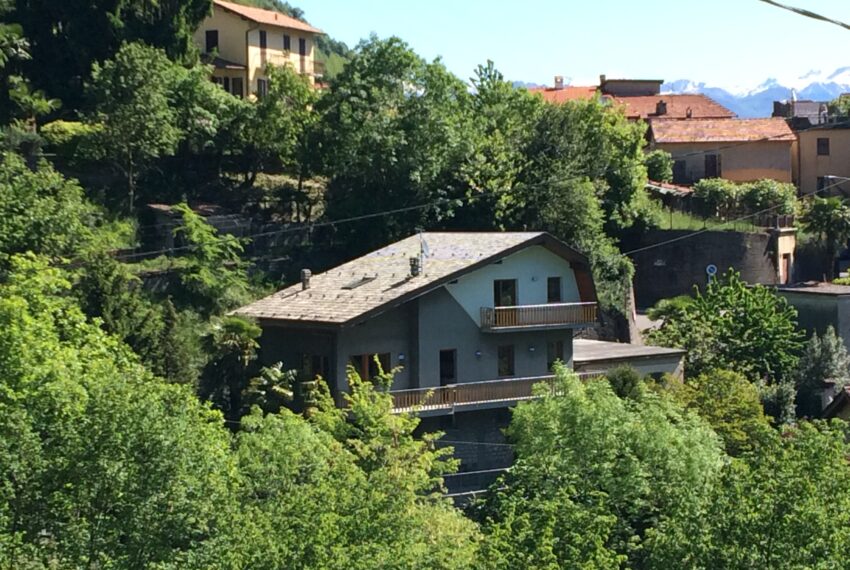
(366, 367)
(226, 84)
(287, 42)
(262, 87)
(821, 183)
(712, 166)
(211, 40)
(263, 39)
(504, 293)
(506, 360)
(554, 353)
(236, 87)
(823, 147)
(553, 290)
(448, 367)
(302, 47)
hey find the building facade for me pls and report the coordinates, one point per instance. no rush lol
(469, 320)
(241, 41)
(822, 152)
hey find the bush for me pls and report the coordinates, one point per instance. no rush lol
(659, 166)
(69, 139)
(716, 197)
(765, 194)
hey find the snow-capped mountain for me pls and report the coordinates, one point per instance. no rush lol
(758, 101)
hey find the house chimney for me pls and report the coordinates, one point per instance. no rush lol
(415, 266)
(661, 107)
(305, 279)
(559, 82)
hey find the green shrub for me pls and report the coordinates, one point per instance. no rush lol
(69, 139)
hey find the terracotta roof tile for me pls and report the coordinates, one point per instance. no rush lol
(700, 107)
(720, 130)
(383, 276)
(567, 93)
(267, 17)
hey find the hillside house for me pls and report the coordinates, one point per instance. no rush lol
(241, 41)
(823, 151)
(741, 150)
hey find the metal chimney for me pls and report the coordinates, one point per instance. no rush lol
(305, 279)
(415, 266)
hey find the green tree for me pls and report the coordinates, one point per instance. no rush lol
(784, 506)
(716, 197)
(68, 39)
(829, 220)
(659, 165)
(595, 477)
(101, 465)
(391, 137)
(824, 359)
(731, 404)
(735, 326)
(778, 197)
(43, 212)
(131, 95)
(212, 273)
(232, 346)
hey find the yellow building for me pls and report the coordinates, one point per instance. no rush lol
(823, 151)
(240, 41)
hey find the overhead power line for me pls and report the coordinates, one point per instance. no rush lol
(807, 13)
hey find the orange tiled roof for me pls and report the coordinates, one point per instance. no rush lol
(566, 93)
(267, 17)
(701, 107)
(720, 130)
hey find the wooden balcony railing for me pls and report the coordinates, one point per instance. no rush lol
(508, 391)
(551, 314)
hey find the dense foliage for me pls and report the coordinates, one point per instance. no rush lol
(829, 220)
(716, 197)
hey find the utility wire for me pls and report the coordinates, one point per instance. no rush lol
(807, 13)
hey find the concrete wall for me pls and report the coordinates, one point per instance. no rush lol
(812, 166)
(674, 269)
(657, 365)
(530, 267)
(816, 312)
(744, 163)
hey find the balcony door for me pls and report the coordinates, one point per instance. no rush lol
(504, 295)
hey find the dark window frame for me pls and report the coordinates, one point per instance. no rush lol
(262, 87)
(264, 40)
(448, 356)
(823, 146)
(302, 47)
(554, 290)
(210, 46)
(499, 293)
(237, 87)
(287, 42)
(365, 364)
(506, 361)
(554, 352)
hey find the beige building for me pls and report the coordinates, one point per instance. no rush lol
(741, 150)
(822, 151)
(241, 41)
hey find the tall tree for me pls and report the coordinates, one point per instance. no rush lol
(829, 220)
(132, 101)
(824, 359)
(68, 38)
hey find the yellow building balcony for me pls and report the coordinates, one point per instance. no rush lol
(536, 317)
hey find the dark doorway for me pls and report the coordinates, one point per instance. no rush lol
(504, 293)
(448, 367)
(712, 166)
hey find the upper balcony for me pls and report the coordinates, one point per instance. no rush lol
(537, 317)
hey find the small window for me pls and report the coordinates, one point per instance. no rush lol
(211, 40)
(287, 42)
(262, 88)
(554, 353)
(712, 166)
(263, 39)
(236, 87)
(823, 147)
(366, 366)
(226, 84)
(313, 365)
(553, 290)
(302, 46)
(680, 172)
(506, 360)
(821, 184)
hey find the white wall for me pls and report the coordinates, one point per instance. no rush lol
(530, 267)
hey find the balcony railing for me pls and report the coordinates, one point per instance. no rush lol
(471, 394)
(537, 316)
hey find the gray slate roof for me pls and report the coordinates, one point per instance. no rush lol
(385, 276)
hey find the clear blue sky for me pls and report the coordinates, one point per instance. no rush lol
(722, 42)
